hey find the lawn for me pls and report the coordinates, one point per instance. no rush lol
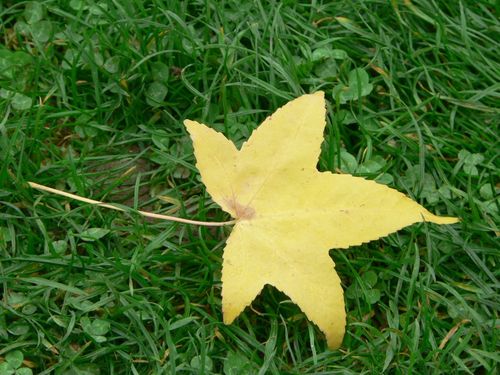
(92, 99)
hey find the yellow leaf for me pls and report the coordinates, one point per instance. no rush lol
(289, 215)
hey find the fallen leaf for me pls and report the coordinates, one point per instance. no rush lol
(289, 215)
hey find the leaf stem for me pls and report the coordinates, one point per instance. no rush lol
(143, 213)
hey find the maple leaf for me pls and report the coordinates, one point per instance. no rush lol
(289, 215)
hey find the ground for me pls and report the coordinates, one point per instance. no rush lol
(92, 99)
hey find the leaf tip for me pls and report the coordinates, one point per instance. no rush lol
(440, 219)
(334, 342)
(229, 314)
(189, 124)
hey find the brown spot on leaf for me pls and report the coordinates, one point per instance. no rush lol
(240, 211)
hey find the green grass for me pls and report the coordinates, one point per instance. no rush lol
(92, 102)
